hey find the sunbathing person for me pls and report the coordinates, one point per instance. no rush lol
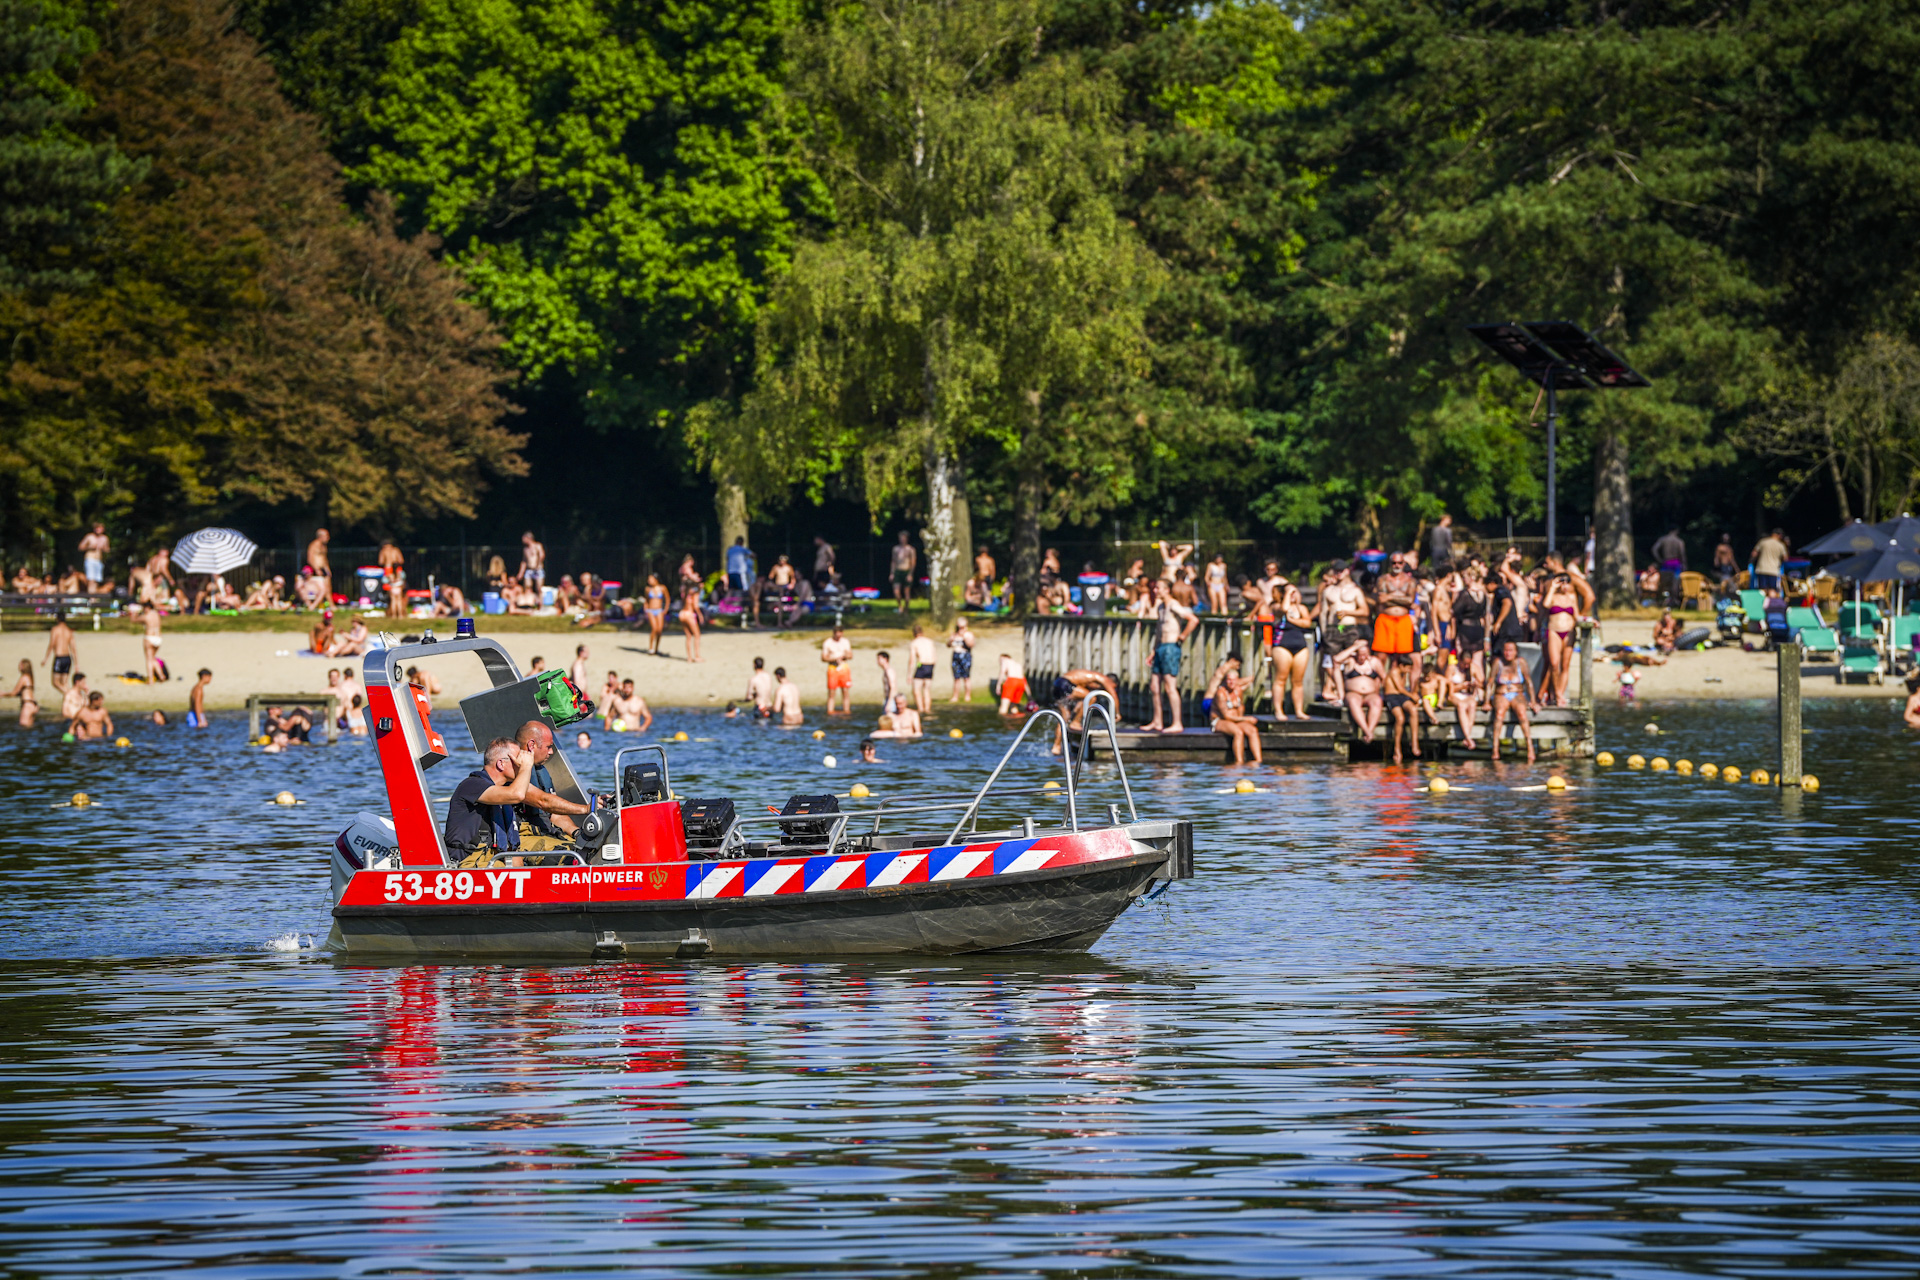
(1228, 692)
(1360, 677)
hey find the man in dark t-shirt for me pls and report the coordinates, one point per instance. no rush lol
(481, 816)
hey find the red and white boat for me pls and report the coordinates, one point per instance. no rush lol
(665, 876)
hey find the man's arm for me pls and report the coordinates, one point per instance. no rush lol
(514, 792)
(646, 716)
(548, 802)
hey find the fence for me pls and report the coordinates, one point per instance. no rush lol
(1124, 646)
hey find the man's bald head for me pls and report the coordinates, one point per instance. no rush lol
(536, 736)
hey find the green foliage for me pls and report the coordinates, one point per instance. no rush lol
(54, 185)
(617, 181)
(245, 341)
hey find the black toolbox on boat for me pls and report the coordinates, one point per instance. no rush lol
(707, 823)
(814, 828)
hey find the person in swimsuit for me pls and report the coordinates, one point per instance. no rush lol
(1512, 691)
(1563, 612)
(1401, 699)
(655, 606)
(1469, 609)
(1360, 677)
(1463, 690)
(690, 621)
(23, 690)
(1396, 593)
(1228, 691)
(1292, 649)
(836, 654)
(960, 661)
(1217, 584)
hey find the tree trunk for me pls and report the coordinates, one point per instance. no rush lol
(1029, 492)
(1612, 521)
(730, 505)
(948, 533)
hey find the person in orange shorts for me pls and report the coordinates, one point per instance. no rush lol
(1393, 631)
(837, 653)
(1013, 685)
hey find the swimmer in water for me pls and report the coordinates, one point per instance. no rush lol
(584, 740)
(93, 720)
(786, 698)
(197, 701)
(869, 753)
(23, 690)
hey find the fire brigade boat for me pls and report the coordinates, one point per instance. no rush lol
(654, 874)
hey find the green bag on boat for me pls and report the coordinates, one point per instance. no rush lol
(560, 699)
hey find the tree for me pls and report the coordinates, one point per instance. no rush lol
(55, 186)
(246, 341)
(1513, 161)
(977, 290)
(1859, 431)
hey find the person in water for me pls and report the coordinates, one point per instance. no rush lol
(93, 720)
(197, 701)
(481, 817)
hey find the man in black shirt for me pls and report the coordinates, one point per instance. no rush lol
(481, 817)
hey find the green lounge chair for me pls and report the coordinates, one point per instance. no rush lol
(1900, 640)
(1811, 630)
(1754, 605)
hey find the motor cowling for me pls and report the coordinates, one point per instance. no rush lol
(370, 842)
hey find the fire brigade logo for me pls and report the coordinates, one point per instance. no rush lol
(658, 877)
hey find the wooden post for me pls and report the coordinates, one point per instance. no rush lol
(1586, 668)
(1789, 663)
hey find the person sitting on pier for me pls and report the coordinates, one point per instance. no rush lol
(1512, 691)
(1463, 691)
(481, 817)
(1360, 675)
(1228, 694)
(1403, 704)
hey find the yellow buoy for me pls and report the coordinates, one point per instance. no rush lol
(1605, 757)
(263, 739)
(1709, 770)
(123, 742)
(858, 791)
(819, 734)
(680, 736)
(1658, 764)
(1439, 787)
(1636, 761)
(1049, 785)
(955, 733)
(1556, 783)
(1683, 767)
(1243, 786)
(1652, 728)
(81, 799)
(285, 798)
(1809, 783)
(1760, 778)
(1730, 773)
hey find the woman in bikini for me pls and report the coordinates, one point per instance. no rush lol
(1563, 611)
(23, 690)
(1292, 649)
(1230, 717)
(655, 605)
(1217, 584)
(690, 620)
(1360, 677)
(1512, 691)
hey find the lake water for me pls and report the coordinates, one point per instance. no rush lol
(1654, 1026)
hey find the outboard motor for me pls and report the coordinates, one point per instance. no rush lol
(369, 844)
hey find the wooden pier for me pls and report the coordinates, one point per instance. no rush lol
(1124, 647)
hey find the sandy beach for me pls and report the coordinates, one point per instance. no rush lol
(245, 662)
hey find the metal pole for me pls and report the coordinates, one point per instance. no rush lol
(1789, 657)
(1553, 440)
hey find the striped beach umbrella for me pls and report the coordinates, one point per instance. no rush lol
(212, 551)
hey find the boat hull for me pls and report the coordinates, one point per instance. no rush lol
(1065, 908)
